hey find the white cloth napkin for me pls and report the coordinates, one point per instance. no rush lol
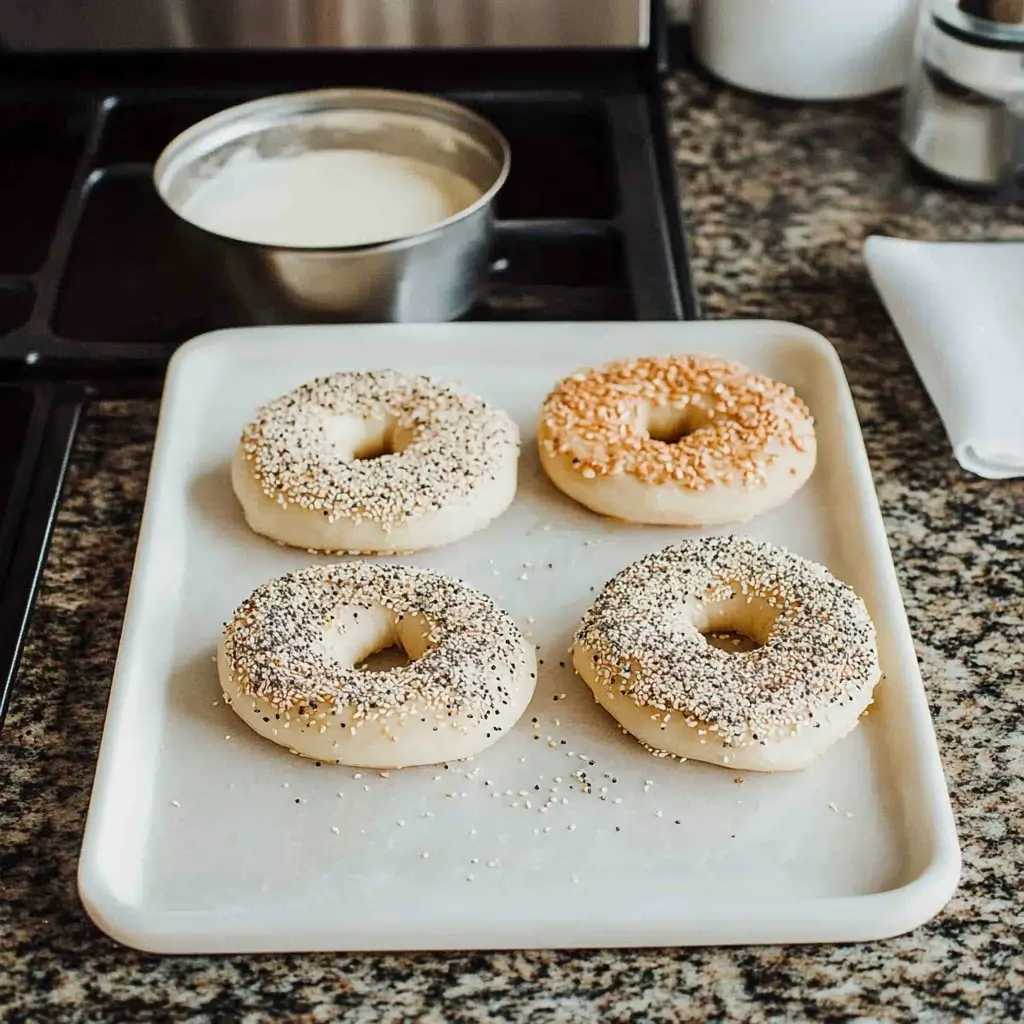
(959, 308)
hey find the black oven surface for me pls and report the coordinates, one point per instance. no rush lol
(96, 291)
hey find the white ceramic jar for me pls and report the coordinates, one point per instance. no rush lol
(807, 49)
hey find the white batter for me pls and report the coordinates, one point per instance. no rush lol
(327, 198)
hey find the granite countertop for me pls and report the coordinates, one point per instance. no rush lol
(778, 199)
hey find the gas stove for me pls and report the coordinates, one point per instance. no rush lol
(96, 292)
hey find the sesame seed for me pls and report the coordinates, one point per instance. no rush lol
(175, 803)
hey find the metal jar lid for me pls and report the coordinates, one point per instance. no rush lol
(995, 24)
(1002, 12)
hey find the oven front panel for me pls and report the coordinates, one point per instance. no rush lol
(323, 24)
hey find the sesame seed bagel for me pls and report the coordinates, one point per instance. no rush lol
(375, 462)
(287, 663)
(682, 440)
(642, 650)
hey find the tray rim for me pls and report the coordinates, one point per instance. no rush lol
(867, 917)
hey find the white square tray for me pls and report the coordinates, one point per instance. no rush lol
(197, 842)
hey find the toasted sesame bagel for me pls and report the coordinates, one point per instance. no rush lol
(375, 462)
(288, 661)
(642, 650)
(679, 440)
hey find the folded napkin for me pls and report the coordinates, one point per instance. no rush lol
(959, 308)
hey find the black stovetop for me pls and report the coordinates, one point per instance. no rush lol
(96, 291)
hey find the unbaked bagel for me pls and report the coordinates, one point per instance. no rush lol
(641, 649)
(682, 440)
(375, 462)
(287, 663)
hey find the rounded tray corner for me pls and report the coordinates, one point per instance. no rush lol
(927, 894)
(187, 351)
(118, 919)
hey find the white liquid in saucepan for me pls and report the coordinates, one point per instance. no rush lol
(327, 198)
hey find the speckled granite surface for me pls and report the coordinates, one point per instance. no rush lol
(778, 200)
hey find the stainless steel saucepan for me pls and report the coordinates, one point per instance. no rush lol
(433, 275)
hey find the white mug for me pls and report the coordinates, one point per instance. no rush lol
(807, 49)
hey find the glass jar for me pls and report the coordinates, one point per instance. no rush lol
(963, 116)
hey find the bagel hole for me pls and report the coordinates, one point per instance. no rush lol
(363, 440)
(738, 625)
(387, 658)
(377, 442)
(670, 424)
(371, 638)
(731, 641)
(369, 453)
